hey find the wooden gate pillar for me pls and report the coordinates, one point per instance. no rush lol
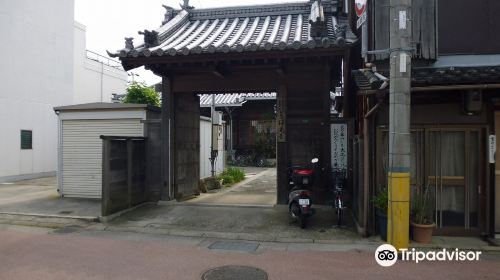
(281, 145)
(167, 133)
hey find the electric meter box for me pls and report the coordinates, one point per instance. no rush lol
(217, 139)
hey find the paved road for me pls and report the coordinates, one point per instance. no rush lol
(35, 254)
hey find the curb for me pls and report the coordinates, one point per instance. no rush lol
(113, 216)
(257, 237)
(10, 215)
(485, 248)
(92, 224)
(277, 239)
(44, 221)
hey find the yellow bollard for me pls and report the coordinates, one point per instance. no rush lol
(398, 212)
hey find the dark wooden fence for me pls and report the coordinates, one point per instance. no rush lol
(124, 182)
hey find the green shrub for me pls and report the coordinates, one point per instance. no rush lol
(422, 209)
(226, 180)
(139, 93)
(381, 200)
(231, 176)
(237, 174)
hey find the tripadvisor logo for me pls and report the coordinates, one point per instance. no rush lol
(386, 255)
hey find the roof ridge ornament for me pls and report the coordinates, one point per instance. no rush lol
(150, 38)
(340, 34)
(185, 5)
(317, 20)
(129, 43)
(169, 14)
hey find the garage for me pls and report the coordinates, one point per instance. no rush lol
(80, 145)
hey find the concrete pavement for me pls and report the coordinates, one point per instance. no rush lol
(26, 253)
(258, 188)
(231, 214)
(242, 223)
(40, 197)
(245, 211)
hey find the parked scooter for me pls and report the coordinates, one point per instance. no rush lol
(301, 178)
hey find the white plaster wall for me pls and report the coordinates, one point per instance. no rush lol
(36, 75)
(94, 81)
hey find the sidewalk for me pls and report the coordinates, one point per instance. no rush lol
(37, 203)
(239, 223)
(215, 219)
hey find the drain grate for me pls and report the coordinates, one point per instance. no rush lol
(232, 272)
(65, 212)
(234, 246)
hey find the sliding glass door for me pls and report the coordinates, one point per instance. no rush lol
(453, 173)
(451, 162)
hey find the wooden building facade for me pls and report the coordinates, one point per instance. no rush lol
(454, 119)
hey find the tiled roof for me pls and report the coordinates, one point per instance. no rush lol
(456, 75)
(431, 76)
(311, 24)
(234, 99)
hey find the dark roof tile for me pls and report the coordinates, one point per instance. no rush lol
(246, 28)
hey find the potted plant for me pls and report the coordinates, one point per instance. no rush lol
(380, 202)
(422, 224)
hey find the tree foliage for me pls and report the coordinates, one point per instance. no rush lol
(139, 93)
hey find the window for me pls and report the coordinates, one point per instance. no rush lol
(26, 140)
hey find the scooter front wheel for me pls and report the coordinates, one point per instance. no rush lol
(298, 215)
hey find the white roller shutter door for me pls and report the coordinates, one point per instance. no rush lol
(82, 153)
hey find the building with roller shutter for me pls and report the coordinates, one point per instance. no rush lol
(80, 146)
(80, 150)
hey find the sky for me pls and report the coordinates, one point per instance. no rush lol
(108, 22)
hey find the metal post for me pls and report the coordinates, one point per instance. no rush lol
(212, 151)
(230, 132)
(364, 41)
(399, 124)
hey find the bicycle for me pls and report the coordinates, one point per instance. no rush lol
(250, 158)
(339, 179)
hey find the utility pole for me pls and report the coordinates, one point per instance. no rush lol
(399, 124)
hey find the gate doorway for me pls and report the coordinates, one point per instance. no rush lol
(246, 127)
(450, 161)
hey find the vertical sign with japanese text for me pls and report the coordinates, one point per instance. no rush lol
(339, 145)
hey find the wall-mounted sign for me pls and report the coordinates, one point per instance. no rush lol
(281, 117)
(361, 20)
(492, 143)
(339, 145)
(360, 7)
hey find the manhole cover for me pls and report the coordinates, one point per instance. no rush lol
(234, 246)
(232, 272)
